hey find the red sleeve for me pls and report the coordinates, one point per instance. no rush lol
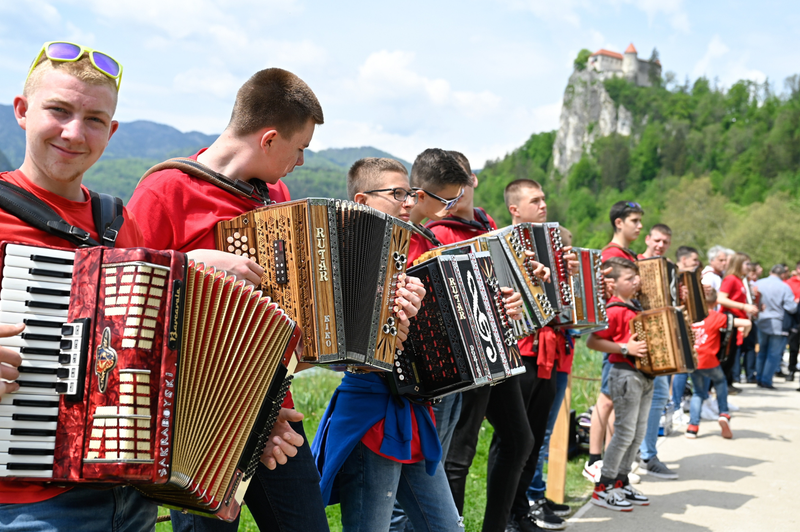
(618, 329)
(150, 206)
(418, 245)
(614, 251)
(730, 286)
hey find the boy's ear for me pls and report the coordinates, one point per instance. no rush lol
(513, 209)
(361, 198)
(618, 224)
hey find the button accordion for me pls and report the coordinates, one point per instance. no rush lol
(670, 341)
(588, 303)
(695, 295)
(462, 336)
(140, 367)
(550, 252)
(659, 283)
(334, 266)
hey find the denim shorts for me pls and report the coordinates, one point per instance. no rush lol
(604, 380)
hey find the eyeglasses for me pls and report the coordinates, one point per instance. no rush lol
(399, 194)
(448, 203)
(633, 205)
(68, 52)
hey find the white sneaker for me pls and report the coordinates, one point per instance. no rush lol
(732, 407)
(633, 478)
(712, 404)
(592, 472)
(635, 465)
(607, 497)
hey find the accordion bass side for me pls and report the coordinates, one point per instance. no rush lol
(128, 356)
(462, 337)
(696, 298)
(670, 341)
(588, 303)
(333, 266)
(659, 286)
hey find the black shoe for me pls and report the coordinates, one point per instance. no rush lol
(733, 390)
(790, 377)
(752, 380)
(768, 387)
(541, 515)
(561, 510)
(528, 524)
(512, 526)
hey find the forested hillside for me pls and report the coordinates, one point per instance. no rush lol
(718, 166)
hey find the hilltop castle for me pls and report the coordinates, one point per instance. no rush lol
(629, 65)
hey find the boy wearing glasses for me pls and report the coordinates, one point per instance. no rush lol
(374, 449)
(273, 120)
(66, 109)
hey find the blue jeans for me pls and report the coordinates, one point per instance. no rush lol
(369, 485)
(770, 352)
(446, 413)
(660, 400)
(286, 499)
(121, 509)
(700, 384)
(538, 487)
(678, 385)
(604, 376)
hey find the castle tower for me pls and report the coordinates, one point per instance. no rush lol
(630, 62)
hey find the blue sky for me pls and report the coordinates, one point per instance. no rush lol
(476, 76)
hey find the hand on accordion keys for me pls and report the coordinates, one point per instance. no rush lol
(512, 302)
(539, 269)
(636, 347)
(408, 300)
(283, 440)
(9, 360)
(244, 269)
(572, 260)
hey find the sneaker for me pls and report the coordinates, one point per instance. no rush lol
(541, 515)
(708, 412)
(607, 497)
(632, 495)
(633, 478)
(656, 468)
(561, 510)
(733, 390)
(725, 425)
(691, 431)
(592, 472)
(712, 404)
(512, 526)
(635, 464)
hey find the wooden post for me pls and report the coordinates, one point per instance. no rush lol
(559, 450)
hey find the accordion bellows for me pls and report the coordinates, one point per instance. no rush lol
(334, 266)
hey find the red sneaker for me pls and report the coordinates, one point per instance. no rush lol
(725, 425)
(691, 431)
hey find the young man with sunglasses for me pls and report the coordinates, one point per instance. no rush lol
(273, 120)
(626, 220)
(66, 109)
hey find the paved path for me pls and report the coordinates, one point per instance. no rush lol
(750, 483)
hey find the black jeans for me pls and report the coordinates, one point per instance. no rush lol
(794, 347)
(504, 407)
(286, 499)
(538, 395)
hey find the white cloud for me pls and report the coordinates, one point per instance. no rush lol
(716, 49)
(672, 9)
(549, 11)
(219, 83)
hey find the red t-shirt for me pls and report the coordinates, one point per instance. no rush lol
(79, 214)
(618, 330)
(418, 245)
(374, 438)
(179, 212)
(614, 250)
(794, 284)
(707, 338)
(734, 287)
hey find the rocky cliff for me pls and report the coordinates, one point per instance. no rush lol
(587, 113)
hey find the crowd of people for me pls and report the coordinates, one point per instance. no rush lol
(391, 464)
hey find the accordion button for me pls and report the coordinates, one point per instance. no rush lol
(230, 240)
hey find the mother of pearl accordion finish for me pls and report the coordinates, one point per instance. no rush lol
(141, 368)
(462, 336)
(334, 266)
(670, 341)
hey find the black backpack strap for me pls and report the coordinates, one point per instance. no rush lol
(483, 218)
(38, 214)
(426, 233)
(255, 190)
(107, 215)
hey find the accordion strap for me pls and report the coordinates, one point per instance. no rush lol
(426, 233)
(481, 222)
(255, 190)
(106, 211)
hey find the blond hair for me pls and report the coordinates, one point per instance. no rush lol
(83, 69)
(513, 190)
(366, 173)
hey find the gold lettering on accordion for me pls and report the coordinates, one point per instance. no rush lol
(322, 266)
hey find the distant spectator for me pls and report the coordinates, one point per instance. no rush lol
(688, 258)
(717, 263)
(776, 300)
(657, 241)
(736, 298)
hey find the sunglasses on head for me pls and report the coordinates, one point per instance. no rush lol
(448, 203)
(68, 52)
(633, 205)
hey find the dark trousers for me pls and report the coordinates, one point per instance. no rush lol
(286, 499)
(537, 395)
(504, 407)
(794, 347)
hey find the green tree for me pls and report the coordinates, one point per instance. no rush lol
(582, 59)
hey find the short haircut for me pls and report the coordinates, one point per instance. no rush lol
(623, 209)
(685, 251)
(716, 250)
(83, 69)
(779, 269)
(462, 160)
(711, 296)
(274, 98)
(617, 265)
(661, 228)
(513, 190)
(434, 169)
(365, 174)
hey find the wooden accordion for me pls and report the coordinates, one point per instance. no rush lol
(462, 337)
(659, 286)
(333, 266)
(588, 302)
(670, 341)
(696, 298)
(140, 367)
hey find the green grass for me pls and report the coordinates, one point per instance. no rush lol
(312, 390)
